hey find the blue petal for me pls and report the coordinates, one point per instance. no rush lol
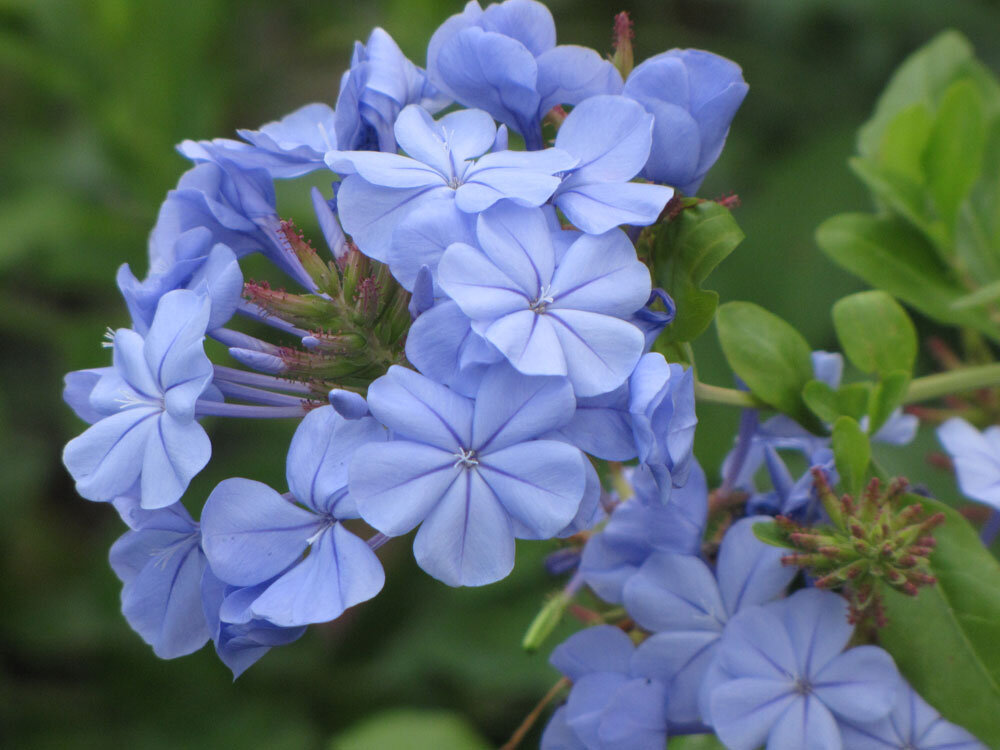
(348, 404)
(756, 644)
(569, 74)
(174, 350)
(599, 207)
(675, 592)
(635, 717)
(131, 365)
(106, 460)
(603, 648)
(817, 627)
(558, 735)
(529, 342)
(806, 723)
(511, 408)
(540, 483)
(423, 236)
(162, 600)
(385, 170)
(602, 427)
(328, 224)
(518, 241)
(396, 484)
(600, 351)
(603, 275)
(340, 571)
(587, 700)
(436, 343)
(482, 290)
(175, 452)
(416, 407)
(860, 684)
(745, 710)
(221, 280)
(251, 533)
(370, 213)
(680, 661)
(319, 455)
(467, 539)
(527, 21)
(610, 136)
(977, 459)
(492, 72)
(78, 386)
(520, 176)
(749, 571)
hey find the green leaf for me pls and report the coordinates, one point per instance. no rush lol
(849, 400)
(769, 355)
(687, 249)
(890, 255)
(954, 152)
(852, 453)
(875, 332)
(885, 397)
(945, 639)
(769, 533)
(977, 231)
(904, 140)
(412, 729)
(695, 742)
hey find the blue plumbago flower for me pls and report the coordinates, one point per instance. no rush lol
(236, 205)
(911, 725)
(661, 403)
(602, 426)
(505, 60)
(652, 322)
(148, 431)
(694, 96)
(287, 148)
(613, 705)
(977, 459)
(77, 387)
(686, 606)
(253, 535)
(160, 564)
(785, 680)
(380, 83)
(211, 271)
(642, 526)
(611, 137)
(551, 316)
(422, 237)
(239, 645)
(445, 161)
(470, 471)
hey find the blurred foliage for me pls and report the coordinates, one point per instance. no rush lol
(93, 96)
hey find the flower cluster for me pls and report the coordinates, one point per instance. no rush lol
(473, 361)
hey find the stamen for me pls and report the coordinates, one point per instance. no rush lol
(545, 299)
(466, 458)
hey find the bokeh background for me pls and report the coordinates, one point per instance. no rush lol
(93, 96)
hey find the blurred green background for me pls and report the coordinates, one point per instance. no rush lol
(93, 96)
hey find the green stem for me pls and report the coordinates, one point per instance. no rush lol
(922, 389)
(953, 381)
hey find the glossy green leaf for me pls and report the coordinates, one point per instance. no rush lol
(892, 256)
(769, 533)
(977, 229)
(852, 453)
(687, 249)
(945, 640)
(954, 151)
(826, 403)
(885, 397)
(769, 355)
(695, 742)
(875, 332)
(412, 729)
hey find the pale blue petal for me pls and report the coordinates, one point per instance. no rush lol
(540, 483)
(467, 539)
(599, 207)
(529, 342)
(516, 175)
(587, 701)
(518, 241)
(679, 660)
(899, 429)
(590, 512)
(817, 626)
(977, 459)
(603, 648)
(482, 290)
(558, 735)
(675, 592)
(469, 133)
(756, 644)
(130, 364)
(569, 74)
(416, 407)
(828, 367)
(492, 72)
(396, 484)
(603, 275)
(348, 404)
(319, 455)
(340, 571)
(328, 224)
(251, 533)
(745, 710)
(749, 571)
(860, 684)
(106, 460)
(435, 345)
(78, 385)
(610, 136)
(175, 452)
(385, 170)
(602, 427)
(600, 351)
(422, 237)
(370, 213)
(635, 717)
(175, 352)
(808, 724)
(527, 21)
(422, 139)
(511, 408)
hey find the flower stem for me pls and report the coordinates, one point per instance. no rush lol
(921, 389)
(529, 721)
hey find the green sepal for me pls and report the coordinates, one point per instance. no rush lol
(769, 533)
